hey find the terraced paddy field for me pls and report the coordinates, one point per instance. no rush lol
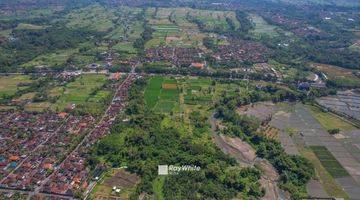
(331, 187)
(329, 162)
(214, 19)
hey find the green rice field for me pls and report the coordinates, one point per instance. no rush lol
(159, 97)
(329, 162)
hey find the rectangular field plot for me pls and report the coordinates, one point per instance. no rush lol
(162, 94)
(152, 91)
(330, 121)
(197, 91)
(196, 96)
(329, 162)
(169, 94)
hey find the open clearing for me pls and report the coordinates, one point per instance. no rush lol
(120, 179)
(261, 26)
(10, 84)
(23, 26)
(334, 71)
(94, 17)
(79, 91)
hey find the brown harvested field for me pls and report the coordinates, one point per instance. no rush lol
(168, 86)
(259, 110)
(122, 179)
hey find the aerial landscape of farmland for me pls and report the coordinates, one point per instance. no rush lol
(154, 99)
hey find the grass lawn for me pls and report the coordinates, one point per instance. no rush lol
(329, 120)
(169, 94)
(79, 91)
(9, 84)
(329, 162)
(328, 182)
(196, 91)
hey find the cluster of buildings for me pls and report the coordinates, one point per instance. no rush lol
(72, 174)
(36, 146)
(47, 152)
(178, 56)
(21, 133)
(241, 50)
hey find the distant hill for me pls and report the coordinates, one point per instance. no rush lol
(346, 3)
